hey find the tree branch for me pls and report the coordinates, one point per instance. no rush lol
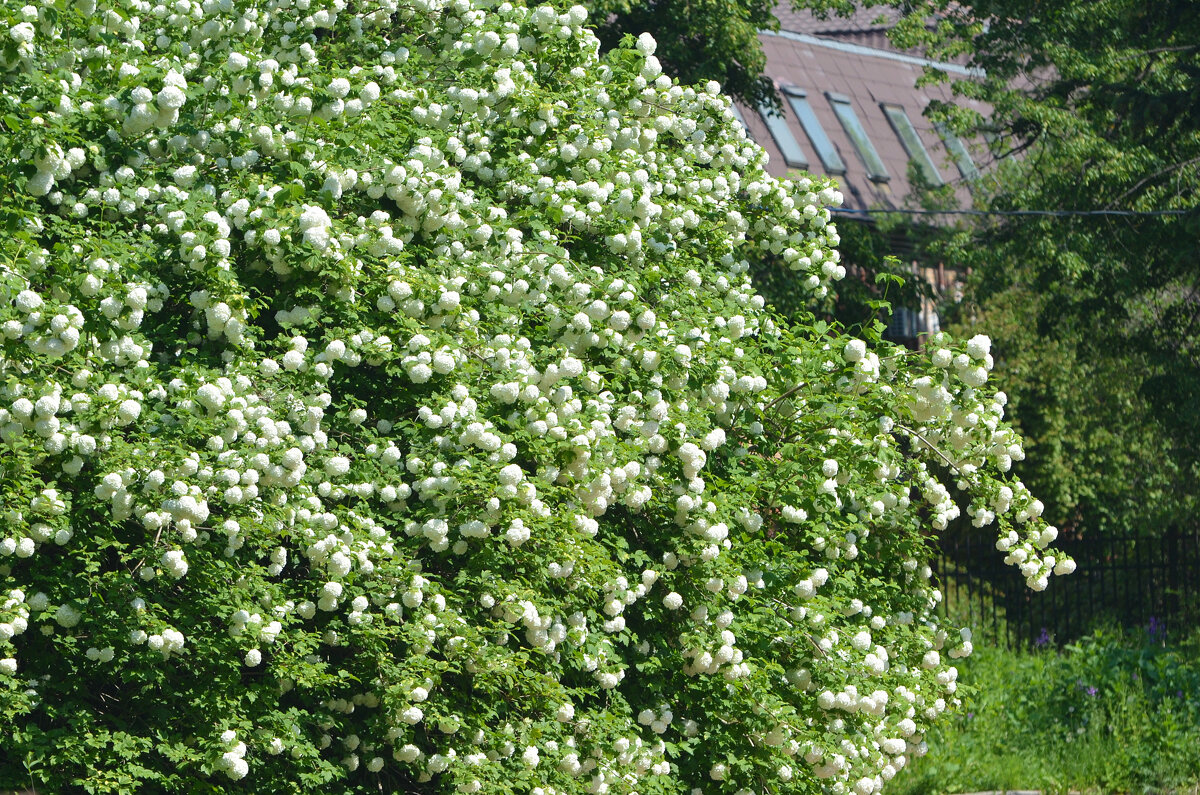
(1157, 50)
(931, 446)
(1144, 180)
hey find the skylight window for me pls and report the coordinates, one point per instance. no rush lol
(876, 171)
(777, 124)
(798, 100)
(912, 143)
(958, 151)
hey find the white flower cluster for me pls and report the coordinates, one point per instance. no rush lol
(233, 761)
(167, 642)
(51, 334)
(16, 620)
(438, 423)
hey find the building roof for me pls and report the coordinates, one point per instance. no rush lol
(863, 20)
(842, 75)
(867, 26)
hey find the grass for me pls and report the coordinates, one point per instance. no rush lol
(1113, 713)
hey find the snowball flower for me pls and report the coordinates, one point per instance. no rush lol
(315, 225)
(171, 97)
(184, 176)
(128, 411)
(979, 346)
(517, 533)
(67, 616)
(506, 393)
(339, 87)
(28, 301)
(22, 33)
(236, 62)
(235, 766)
(511, 475)
(175, 563)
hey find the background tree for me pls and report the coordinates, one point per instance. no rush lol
(698, 41)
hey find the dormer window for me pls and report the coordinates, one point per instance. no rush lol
(907, 134)
(842, 106)
(798, 100)
(777, 125)
(958, 151)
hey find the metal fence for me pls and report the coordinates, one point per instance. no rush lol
(1131, 582)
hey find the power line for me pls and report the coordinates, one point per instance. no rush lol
(1051, 213)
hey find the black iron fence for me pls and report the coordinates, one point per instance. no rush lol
(1131, 582)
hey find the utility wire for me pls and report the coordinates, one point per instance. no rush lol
(1051, 213)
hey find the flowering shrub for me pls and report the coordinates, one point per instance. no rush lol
(384, 404)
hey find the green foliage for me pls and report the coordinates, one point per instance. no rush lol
(1112, 713)
(1089, 407)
